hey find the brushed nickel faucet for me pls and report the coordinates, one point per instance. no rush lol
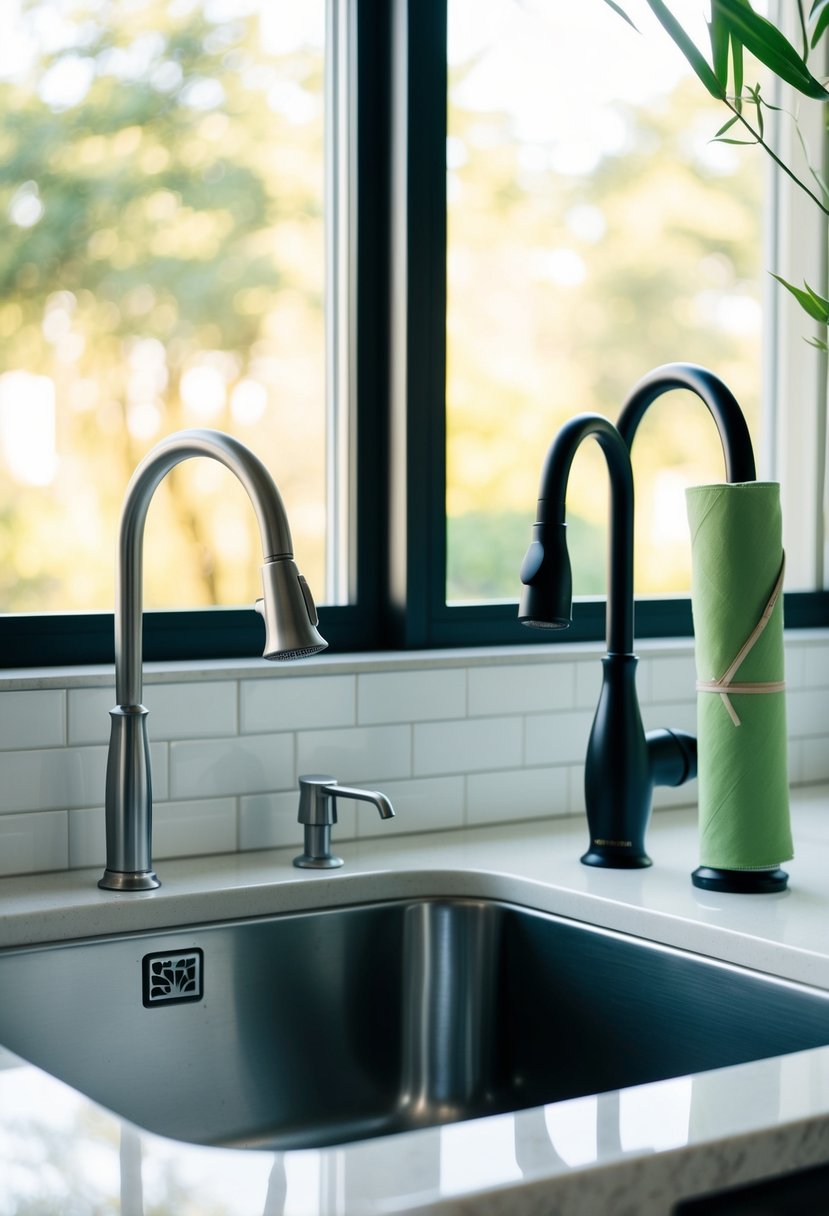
(287, 608)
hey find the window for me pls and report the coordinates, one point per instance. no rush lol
(596, 231)
(320, 333)
(163, 197)
(493, 620)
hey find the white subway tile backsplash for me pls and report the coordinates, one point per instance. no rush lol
(180, 829)
(34, 842)
(266, 821)
(247, 764)
(56, 778)
(175, 711)
(467, 745)
(814, 760)
(673, 679)
(796, 667)
(87, 838)
(185, 829)
(297, 703)
(807, 712)
(160, 760)
(411, 696)
(269, 821)
(523, 688)
(528, 793)
(677, 715)
(89, 714)
(191, 711)
(557, 738)
(359, 754)
(794, 760)
(589, 683)
(815, 667)
(424, 804)
(32, 719)
(454, 737)
(576, 792)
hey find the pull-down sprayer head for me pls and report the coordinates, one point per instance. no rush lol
(547, 577)
(547, 598)
(289, 612)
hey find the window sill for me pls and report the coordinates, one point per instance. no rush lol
(195, 670)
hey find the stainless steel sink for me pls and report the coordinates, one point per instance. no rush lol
(326, 1027)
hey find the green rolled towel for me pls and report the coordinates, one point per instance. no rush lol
(737, 602)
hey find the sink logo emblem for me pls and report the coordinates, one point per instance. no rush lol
(171, 978)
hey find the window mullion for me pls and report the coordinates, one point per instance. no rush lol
(418, 311)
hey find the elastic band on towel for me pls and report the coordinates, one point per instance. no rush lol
(725, 685)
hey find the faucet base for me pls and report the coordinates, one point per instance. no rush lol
(128, 880)
(616, 861)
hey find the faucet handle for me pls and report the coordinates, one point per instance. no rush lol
(318, 794)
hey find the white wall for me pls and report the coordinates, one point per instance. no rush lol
(453, 737)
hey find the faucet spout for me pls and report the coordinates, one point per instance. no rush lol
(623, 764)
(290, 623)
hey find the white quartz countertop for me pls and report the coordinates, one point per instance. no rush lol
(636, 1150)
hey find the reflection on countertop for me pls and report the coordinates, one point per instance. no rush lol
(654, 1142)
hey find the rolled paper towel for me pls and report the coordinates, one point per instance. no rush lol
(737, 602)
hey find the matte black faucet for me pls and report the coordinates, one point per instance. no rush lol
(623, 763)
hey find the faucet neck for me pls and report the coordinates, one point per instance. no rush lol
(265, 498)
(551, 508)
(721, 404)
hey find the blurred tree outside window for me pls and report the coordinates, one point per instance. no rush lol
(596, 231)
(162, 265)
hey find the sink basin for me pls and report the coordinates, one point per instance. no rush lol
(321, 1028)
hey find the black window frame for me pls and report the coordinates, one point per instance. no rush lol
(398, 456)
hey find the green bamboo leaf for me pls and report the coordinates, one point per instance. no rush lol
(820, 16)
(617, 8)
(809, 302)
(726, 126)
(817, 343)
(757, 102)
(771, 47)
(689, 49)
(820, 300)
(737, 63)
(761, 101)
(720, 39)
